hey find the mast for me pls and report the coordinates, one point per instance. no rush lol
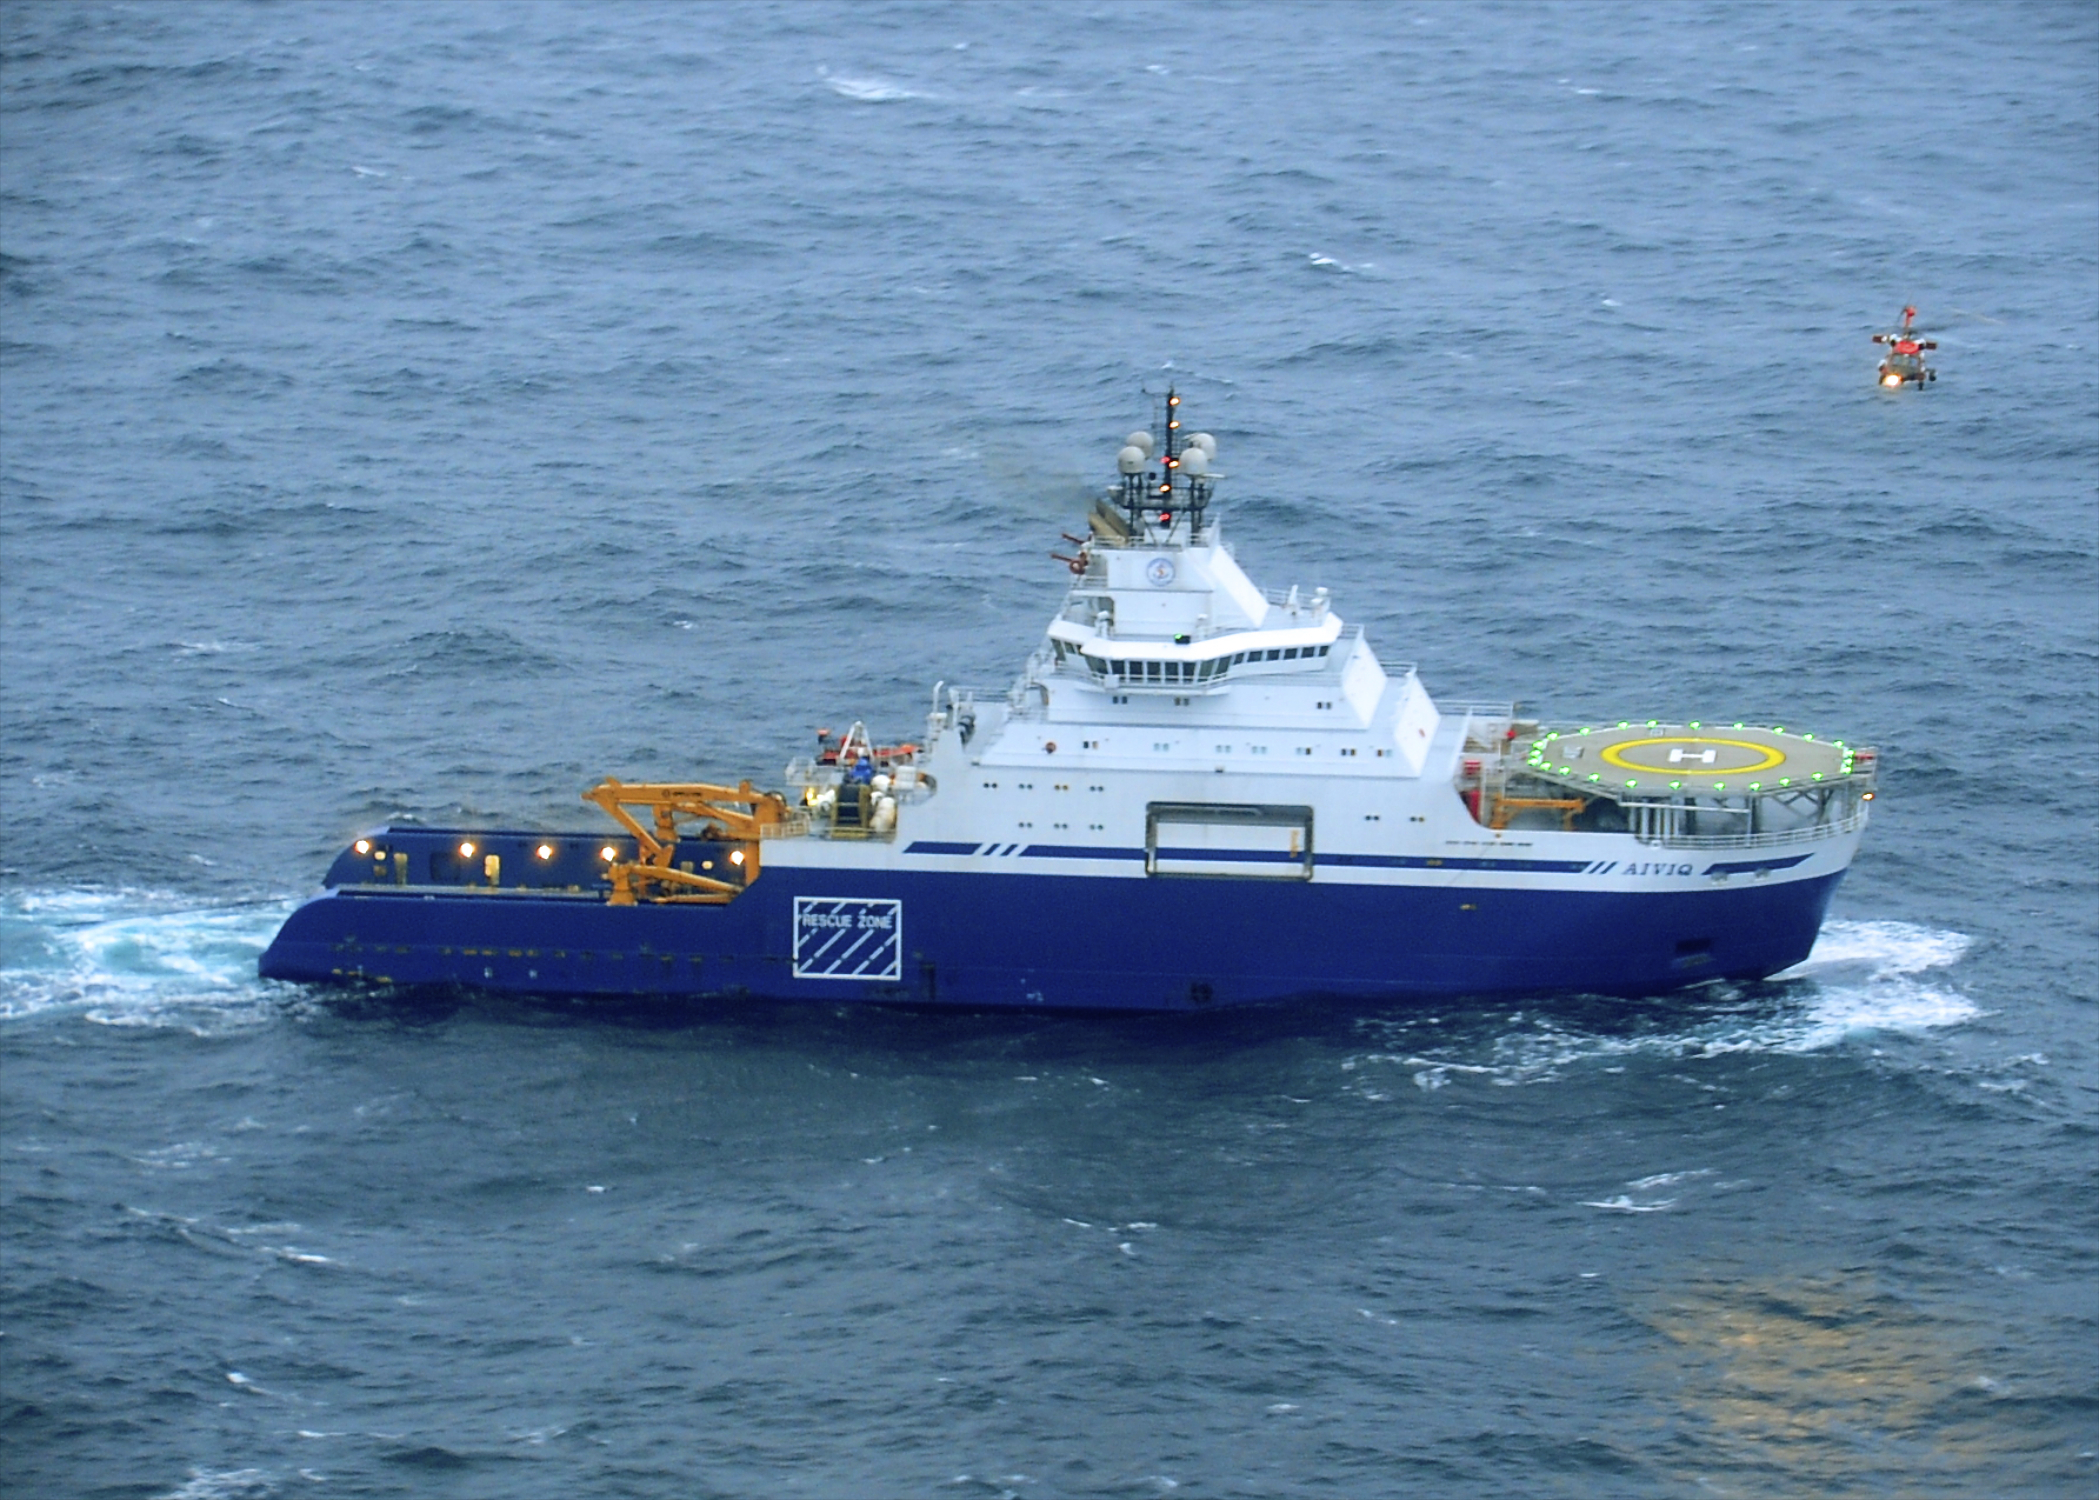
(1183, 464)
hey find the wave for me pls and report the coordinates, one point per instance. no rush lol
(866, 90)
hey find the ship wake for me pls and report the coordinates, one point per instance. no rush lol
(126, 957)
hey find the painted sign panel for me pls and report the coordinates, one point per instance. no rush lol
(848, 938)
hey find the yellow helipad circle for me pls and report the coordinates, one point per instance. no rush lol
(1698, 755)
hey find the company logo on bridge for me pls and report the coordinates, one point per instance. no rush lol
(848, 938)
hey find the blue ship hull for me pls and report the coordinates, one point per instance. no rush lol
(1034, 941)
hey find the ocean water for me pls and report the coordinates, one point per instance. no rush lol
(422, 411)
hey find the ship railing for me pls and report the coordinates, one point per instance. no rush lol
(962, 701)
(803, 771)
(1028, 698)
(1486, 728)
(1298, 598)
(1658, 829)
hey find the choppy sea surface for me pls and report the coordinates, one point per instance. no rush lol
(422, 411)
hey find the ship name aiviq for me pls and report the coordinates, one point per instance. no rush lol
(1196, 793)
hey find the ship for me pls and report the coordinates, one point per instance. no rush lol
(1197, 793)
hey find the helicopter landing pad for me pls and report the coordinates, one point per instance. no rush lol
(1664, 758)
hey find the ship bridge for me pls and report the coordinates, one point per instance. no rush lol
(1177, 615)
(1159, 604)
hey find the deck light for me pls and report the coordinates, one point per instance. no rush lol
(736, 856)
(1869, 797)
(363, 846)
(546, 851)
(466, 851)
(608, 854)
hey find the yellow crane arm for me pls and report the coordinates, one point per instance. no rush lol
(740, 814)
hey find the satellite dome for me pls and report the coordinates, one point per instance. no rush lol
(1130, 460)
(1141, 441)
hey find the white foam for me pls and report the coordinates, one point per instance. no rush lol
(224, 1484)
(1664, 1179)
(1865, 978)
(126, 957)
(1624, 1205)
(1861, 979)
(866, 90)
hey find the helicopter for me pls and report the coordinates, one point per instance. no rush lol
(1905, 358)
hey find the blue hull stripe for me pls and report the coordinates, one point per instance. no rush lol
(1079, 851)
(1428, 862)
(1748, 866)
(936, 846)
